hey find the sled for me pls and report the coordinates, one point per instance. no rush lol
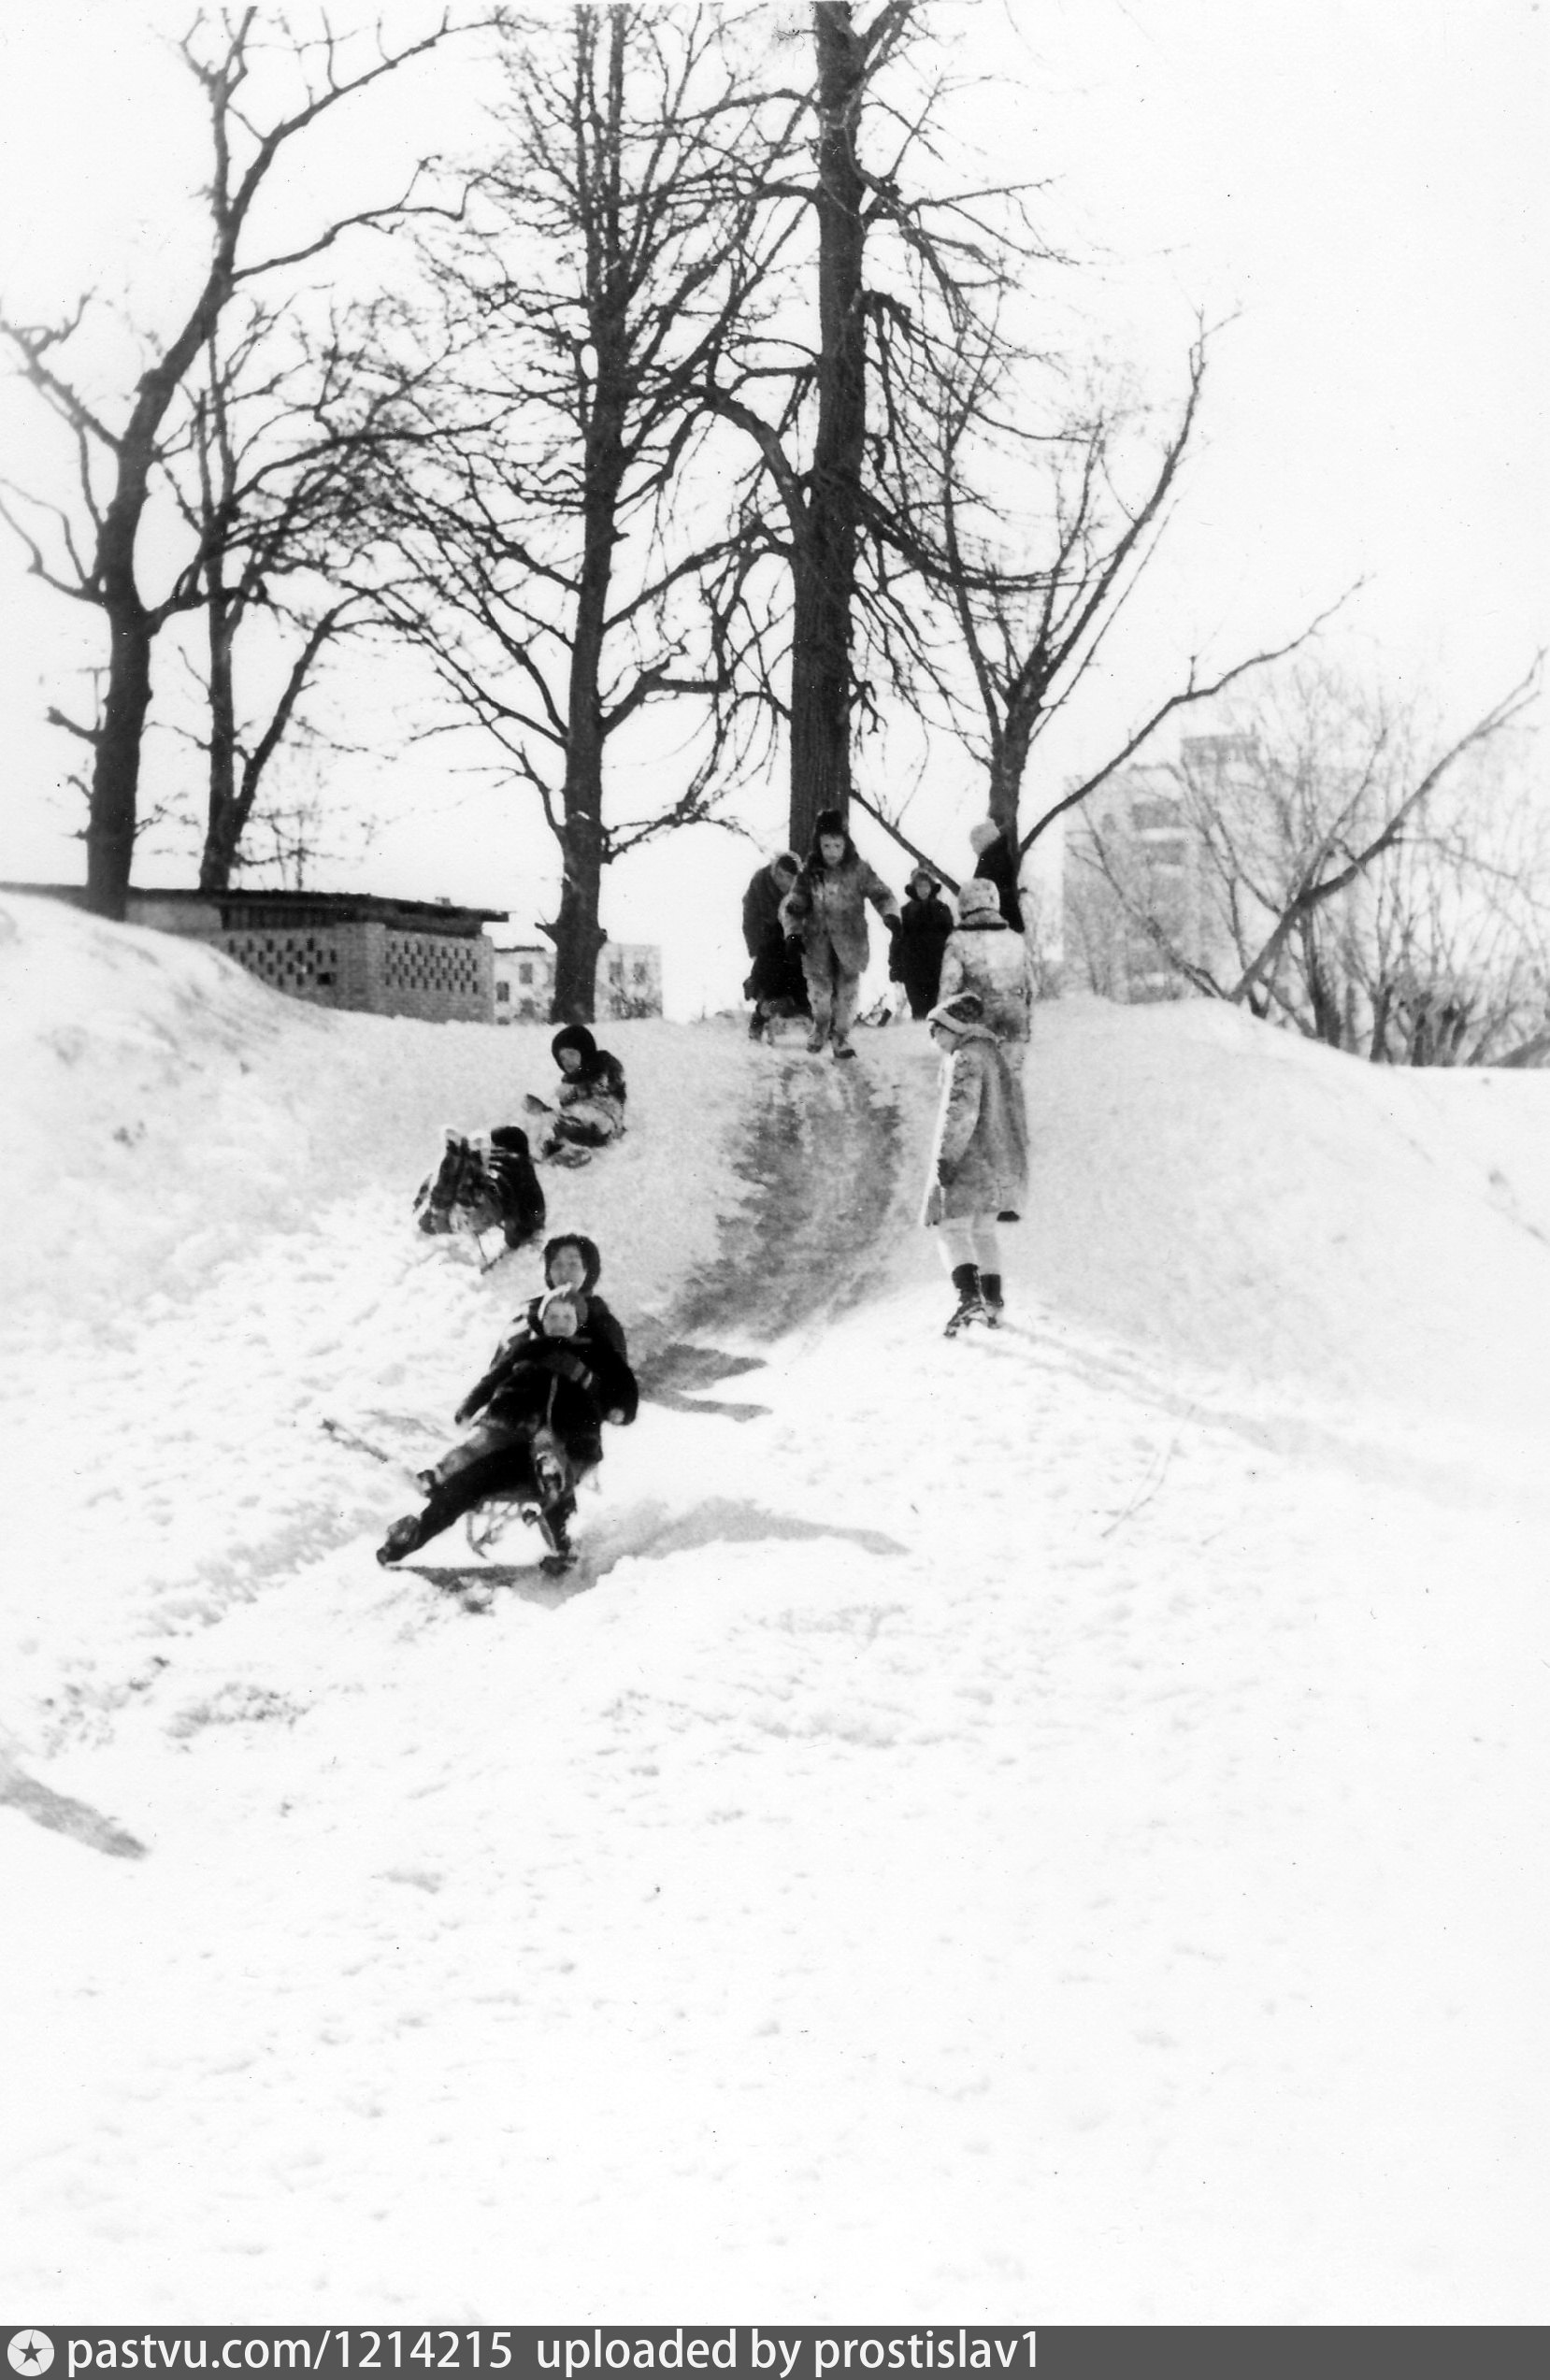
(481, 1526)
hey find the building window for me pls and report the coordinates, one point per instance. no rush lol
(503, 992)
(524, 972)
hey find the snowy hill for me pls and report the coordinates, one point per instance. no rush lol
(1045, 1827)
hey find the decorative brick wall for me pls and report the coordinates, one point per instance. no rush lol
(322, 963)
(440, 977)
(351, 963)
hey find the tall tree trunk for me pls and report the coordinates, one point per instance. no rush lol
(116, 767)
(821, 681)
(222, 829)
(1007, 764)
(578, 937)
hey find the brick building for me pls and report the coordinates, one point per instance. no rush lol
(428, 959)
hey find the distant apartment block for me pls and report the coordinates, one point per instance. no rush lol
(629, 982)
(1140, 901)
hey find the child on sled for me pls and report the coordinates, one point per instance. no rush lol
(538, 1416)
(590, 1109)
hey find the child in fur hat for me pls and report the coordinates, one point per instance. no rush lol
(591, 1098)
(826, 911)
(979, 1166)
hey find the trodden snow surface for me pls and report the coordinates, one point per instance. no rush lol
(1047, 1827)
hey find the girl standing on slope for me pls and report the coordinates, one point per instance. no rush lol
(826, 910)
(984, 954)
(978, 1169)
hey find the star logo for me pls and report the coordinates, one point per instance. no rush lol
(30, 2352)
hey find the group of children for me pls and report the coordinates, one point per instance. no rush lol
(538, 1414)
(805, 926)
(533, 1422)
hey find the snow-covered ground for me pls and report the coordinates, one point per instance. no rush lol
(1048, 1826)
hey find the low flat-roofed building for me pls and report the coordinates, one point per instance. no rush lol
(363, 950)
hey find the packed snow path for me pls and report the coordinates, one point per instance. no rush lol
(1045, 1826)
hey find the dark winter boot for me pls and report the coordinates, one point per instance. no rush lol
(756, 1025)
(555, 1528)
(970, 1306)
(990, 1290)
(404, 1537)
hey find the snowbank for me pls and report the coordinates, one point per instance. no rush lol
(1044, 1828)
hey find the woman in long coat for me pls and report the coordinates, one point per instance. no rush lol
(984, 955)
(978, 1168)
(825, 910)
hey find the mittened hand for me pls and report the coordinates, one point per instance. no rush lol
(464, 1414)
(617, 1415)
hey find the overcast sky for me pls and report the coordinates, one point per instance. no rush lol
(1357, 184)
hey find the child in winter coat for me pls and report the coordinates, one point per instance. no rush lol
(915, 956)
(591, 1098)
(542, 1402)
(978, 1168)
(984, 955)
(775, 983)
(572, 1261)
(997, 862)
(825, 910)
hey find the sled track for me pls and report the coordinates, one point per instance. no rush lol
(821, 1161)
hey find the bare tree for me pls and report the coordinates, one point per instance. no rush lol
(287, 435)
(90, 548)
(1328, 865)
(905, 264)
(559, 548)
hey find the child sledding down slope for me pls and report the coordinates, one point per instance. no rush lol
(977, 1174)
(572, 1261)
(543, 1404)
(590, 1096)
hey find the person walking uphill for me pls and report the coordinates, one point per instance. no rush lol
(978, 1168)
(826, 910)
(984, 955)
(775, 983)
(915, 959)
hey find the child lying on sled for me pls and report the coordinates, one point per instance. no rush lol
(541, 1406)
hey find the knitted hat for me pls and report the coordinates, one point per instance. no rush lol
(978, 897)
(574, 1298)
(982, 837)
(787, 860)
(963, 1009)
